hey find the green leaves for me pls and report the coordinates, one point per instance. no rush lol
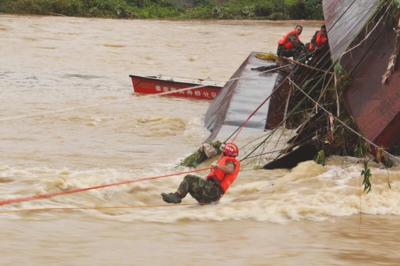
(320, 158)
(338, 68)
(366, 172)
(362, 148)
(179, 9)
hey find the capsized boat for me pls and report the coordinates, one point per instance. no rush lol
(202, 89)
(362, 84)
(242, 95)
(364, 37)
(347, 93)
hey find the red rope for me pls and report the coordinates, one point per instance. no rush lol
(50, 195)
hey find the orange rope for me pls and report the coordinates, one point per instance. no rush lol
(50, 195)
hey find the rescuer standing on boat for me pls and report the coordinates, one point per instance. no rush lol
(290, 45)
(217, 182)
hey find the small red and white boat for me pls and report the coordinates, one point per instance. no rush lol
(203, 89)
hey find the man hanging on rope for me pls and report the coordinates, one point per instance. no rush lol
(290, 45)
(217, 182)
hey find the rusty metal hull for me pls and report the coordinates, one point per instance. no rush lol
(374, 104)
(279, 100)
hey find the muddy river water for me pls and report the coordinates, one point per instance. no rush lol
(69, 120)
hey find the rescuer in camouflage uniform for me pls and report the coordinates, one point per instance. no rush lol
(211, 189)
(200, 189)
(290, 45)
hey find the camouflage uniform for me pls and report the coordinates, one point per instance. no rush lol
(202, 190)
(294, 52)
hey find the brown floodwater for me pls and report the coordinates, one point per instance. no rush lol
(69, 120)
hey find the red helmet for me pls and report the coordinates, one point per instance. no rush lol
(230, 149)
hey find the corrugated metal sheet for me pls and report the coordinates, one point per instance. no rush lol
(344, 19)
(241, 96)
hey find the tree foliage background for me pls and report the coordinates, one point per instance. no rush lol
(170, 9)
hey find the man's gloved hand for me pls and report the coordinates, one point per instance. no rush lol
(214, 165)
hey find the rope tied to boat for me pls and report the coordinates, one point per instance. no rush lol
(307, 66)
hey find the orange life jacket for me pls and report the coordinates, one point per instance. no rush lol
(320, 39)
(286, 42)
(225, 180)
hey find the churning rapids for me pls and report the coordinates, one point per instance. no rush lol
(69, 120)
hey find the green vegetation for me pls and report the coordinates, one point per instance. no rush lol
(94, 8)
(170, 9)
(200, 156)
(362, 148)
(366, 173)
(320, 158)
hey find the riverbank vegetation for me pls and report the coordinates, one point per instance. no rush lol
(170, 9)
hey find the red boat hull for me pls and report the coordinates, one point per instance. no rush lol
(202, 90)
